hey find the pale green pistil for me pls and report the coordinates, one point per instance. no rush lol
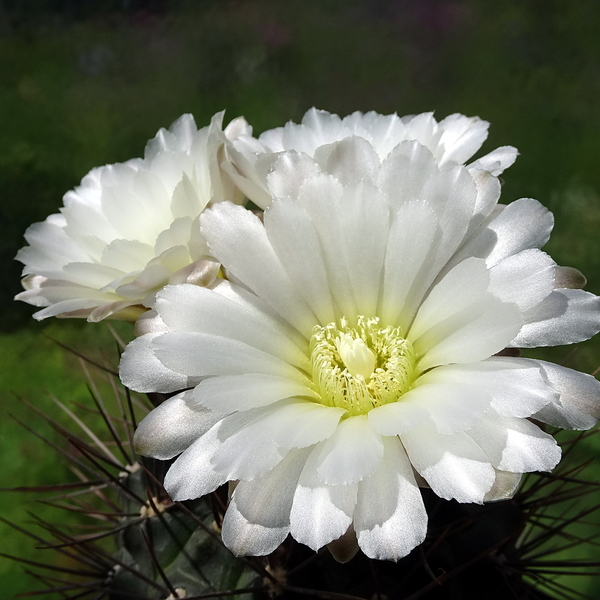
(356, 355)
(361, 367)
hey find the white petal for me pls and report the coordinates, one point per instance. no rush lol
(245, 454)
(563, 317)
(318, 127)
(460, 288)
(468, 338)
(189, 308)
(49, 248)
(320, 513)
(138, 210)
(260, 310)
(191, 475)
(363, 223)
(496, 161)
(350, 161)
(290, 171)
(488, 193)
(185, 200)
(521, 225)
(178, 136)
(504, 487)
(327, 218)
(404, 172)
(296, 243)
(452, 194)
(453, 465)
(525, 278)
(306, 423)
(267, 500)
(149, 322)
(408, 253)
(579, 404)
(460, 321)
(289, 423)
(91, 275)
(44, 292)
(241, 170)
(390, 518)
(396, 417)
(140, 370)
(241, 392)
(172, 427)
(352, 453)
(426, 130)
(462, 137)
(237, 127)
(244, 538)
(199, 355)
(515, 445)
(517, 385)
(451, 406)
(344, 548)
(238, 239)
(257, 440)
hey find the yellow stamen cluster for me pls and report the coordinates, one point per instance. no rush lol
(362, 366)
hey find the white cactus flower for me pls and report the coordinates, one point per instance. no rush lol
(452, 141)
(129, 229)
(352, 355)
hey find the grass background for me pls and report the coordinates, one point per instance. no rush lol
(87, 82)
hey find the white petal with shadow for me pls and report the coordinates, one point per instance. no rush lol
(140, 369)
(350, 160)
(191, 308)
(460, 288)
(328, 219)
(256, 440)
(525, 278)
(352, 453)
(522, 225)
(496, 161)
(390, 518)
(579, 404)
(191, 475)
(396, 417)
(296, 243)
(454, 466)
(452, 406)
(238, 239)
(408, 253)
(242, 392)
(320, 513)
(505, 486)
(515, 445)
(517, 385)
(267, 500)
(173, 426)
(202, 354)
(244, 538)
(564, 317)
(460, 321)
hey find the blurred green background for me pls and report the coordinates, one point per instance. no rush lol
(87, 82)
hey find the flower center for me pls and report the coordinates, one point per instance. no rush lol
(360, 367)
